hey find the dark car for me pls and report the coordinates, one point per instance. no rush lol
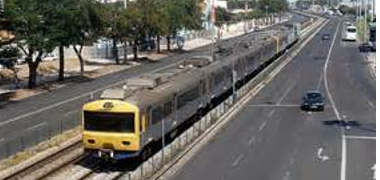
(326, 37)
(313, 100)
(367, 47)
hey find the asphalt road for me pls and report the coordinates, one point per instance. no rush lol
(27, 122)
(272, 139)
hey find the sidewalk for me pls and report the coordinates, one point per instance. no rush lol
(371, 58)
(233, 31)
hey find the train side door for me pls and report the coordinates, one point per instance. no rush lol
(148, 124)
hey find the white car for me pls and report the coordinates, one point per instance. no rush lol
(348, 23)
(350, 34)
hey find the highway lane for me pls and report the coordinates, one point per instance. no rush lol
(272, 139)
(354, 90)
(29, 121)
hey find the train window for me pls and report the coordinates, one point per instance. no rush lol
(219, 78)
(157, 114)
(188, 97)
(168, 108)
(109, 122)
(203, 87)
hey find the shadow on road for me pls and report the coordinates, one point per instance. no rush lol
(351, 124)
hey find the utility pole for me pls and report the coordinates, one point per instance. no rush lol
(357, 10)
(212, 28)
(373, 10)
(125, 4)
(266, 9)
(360, 9)
(365, 20)
(163, 140)
(1, 7)
(246, 16)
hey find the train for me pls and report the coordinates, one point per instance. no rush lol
(124, 121)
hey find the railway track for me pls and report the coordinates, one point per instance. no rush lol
(49, 164)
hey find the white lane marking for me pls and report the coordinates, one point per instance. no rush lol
(320, 81)
(251, 140)
(371, 104)
(70, 112)
(361, 137)
(325, 75)
(287, 176)
(373, 168)
(271, 113)
(37, 126)
(1, 140)
(321, 156)
(285, 94)
(280, 105)
(237, 160)
(273, 105)
(262, 126)
(292, 161)
(74, 98)
(344, 143)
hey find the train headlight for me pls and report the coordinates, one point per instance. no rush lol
(126, 143)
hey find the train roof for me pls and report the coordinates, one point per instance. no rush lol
(155, 88)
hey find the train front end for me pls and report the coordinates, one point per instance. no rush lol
(110, 129)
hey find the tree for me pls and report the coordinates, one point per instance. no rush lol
(222, 16)
(8, 58)
(115, 25)
(347, 10)
(182, 14)
(60, 19)
(84, 24)
(134, 27)
(274, 6)
(154, 19)
(31, 29)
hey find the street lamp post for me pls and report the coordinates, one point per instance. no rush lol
(1, 6)
(266, 9)
(373, 10)
(365, 20)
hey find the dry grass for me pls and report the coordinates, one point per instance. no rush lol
(6, 74)
(47, 68)
(31, 152)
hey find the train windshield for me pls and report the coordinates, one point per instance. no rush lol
(109, 122)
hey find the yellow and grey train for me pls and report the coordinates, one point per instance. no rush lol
(124, 121)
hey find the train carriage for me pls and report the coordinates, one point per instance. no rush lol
(124, 121)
